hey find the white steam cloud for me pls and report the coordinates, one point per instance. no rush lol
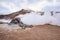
(36, 19)
(32, 18)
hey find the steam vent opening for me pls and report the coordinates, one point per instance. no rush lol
(29, 20)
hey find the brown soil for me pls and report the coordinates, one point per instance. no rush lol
(45, 32)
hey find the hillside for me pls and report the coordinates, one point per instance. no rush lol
(14, 14)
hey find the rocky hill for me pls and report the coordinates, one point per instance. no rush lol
(12, 15)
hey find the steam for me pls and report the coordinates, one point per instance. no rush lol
(7, 7)
(36, 19)
(5, 20)
(56, 19)
(6, 26)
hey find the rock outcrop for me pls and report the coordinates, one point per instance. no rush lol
(12, 15)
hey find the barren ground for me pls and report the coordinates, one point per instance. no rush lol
(45, 32)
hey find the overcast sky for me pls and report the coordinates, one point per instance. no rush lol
(8, 6)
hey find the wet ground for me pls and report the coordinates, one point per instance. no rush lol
(44, 32)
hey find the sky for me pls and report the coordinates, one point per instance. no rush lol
(9, 6)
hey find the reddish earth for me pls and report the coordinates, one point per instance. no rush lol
(45, 32)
